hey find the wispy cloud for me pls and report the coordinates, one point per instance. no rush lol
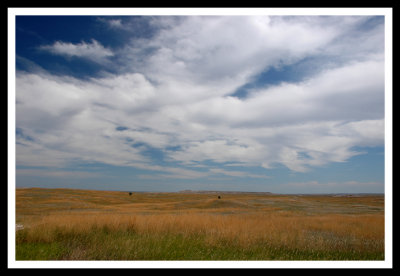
(237, 173)
(93, 50)
(115, 23)
(58, 173)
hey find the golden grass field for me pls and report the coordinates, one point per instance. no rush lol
(66, 224)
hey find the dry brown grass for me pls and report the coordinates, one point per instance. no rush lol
(237, 221)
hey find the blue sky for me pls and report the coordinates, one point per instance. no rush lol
(284, 104)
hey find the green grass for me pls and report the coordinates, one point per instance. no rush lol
(104, 244)
(41, 251)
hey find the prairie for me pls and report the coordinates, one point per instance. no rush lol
(66, 224)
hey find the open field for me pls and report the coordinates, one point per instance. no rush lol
(64, 224)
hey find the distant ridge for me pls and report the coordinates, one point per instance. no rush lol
(220, 192)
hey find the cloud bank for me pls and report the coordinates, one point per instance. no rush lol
(169, 106)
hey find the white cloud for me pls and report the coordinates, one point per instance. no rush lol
(173, 91)
(224, 49)
(93, 51)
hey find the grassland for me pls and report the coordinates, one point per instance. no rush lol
(64, 224)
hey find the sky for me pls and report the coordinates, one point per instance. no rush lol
(282, 104)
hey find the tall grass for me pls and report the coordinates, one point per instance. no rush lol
(199, 236)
